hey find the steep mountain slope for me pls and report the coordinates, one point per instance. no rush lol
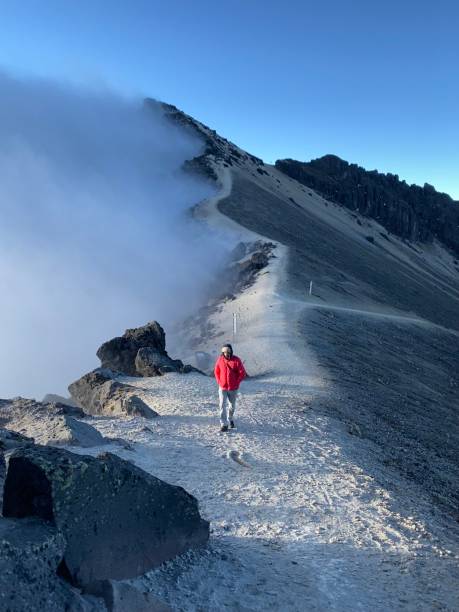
(383, 317)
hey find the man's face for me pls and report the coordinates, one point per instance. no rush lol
(226, 353)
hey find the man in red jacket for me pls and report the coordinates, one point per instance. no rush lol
(229, 373)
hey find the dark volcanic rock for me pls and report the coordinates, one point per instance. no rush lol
(140, 352)
(48, 423)
(151, 362)
(412, 212)
(118, 520)
(100, 394)
(119, 353)
(243, 273)
(30, 552)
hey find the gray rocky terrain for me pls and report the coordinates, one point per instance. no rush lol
(74, 527)
(85, 497)
(54, 424)
(98, 392)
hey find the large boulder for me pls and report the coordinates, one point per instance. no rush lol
(48, 423)
(140, 352)
(99, 394)
(30, 553)
(118, 520)
(120, 353)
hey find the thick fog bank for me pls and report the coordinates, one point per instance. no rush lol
(94, 236)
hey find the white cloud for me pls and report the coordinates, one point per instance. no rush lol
(93, 235)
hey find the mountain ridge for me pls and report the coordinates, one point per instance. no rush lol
(416, 213)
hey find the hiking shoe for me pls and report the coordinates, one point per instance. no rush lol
(224, 428)
(232, 425)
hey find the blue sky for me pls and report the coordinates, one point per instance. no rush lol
(376, 83)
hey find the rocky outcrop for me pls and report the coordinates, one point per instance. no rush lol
(48, 423)
(246, 268)
(30, 553)
(215, 147)
(100, 394)
(245, 263)
(409, 211)
(119, 353)
(140, 351)
(151, 362)
(117, 520)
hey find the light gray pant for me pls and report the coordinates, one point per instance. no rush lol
(225, 397)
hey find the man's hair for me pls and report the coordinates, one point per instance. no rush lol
(228, 345)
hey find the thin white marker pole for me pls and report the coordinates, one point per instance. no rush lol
(310, 288)
(234, 325)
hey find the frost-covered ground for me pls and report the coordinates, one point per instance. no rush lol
(304, 526)
(304, 515)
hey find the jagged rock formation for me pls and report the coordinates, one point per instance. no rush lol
(48, 423)
(128, 354)
(117, 520)
(100, 394)
(249, 260)
(412, 212)
(216, 147)
(140, 351)
(119, 353)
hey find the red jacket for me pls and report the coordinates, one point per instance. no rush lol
(229, 373)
